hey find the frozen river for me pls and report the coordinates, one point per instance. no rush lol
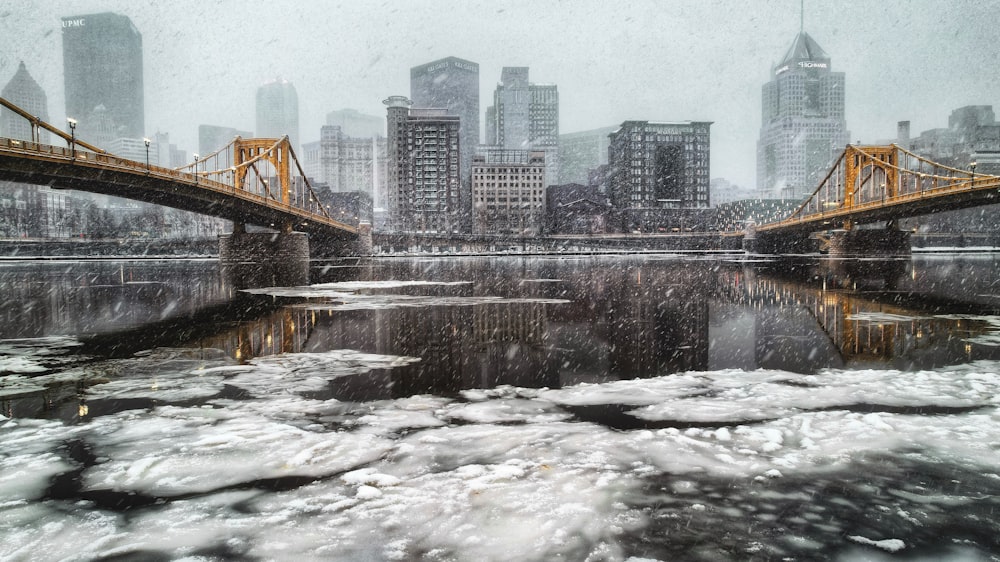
(596, 408)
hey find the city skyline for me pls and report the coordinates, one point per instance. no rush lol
(608, 64)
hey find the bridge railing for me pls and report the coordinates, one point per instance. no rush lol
(112, 162)
(872, 177)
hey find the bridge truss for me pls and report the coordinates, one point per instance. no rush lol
(886, 183)
(248, 181)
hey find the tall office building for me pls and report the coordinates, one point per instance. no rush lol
(525, 116)
(423, 155)
(102, 69)
(803, 126)
(451, 83)
(278, 111)
(658, 169)
(24, 92)
(508, 191)
(214, 137)
(355, 124)
(581, 153)
(346, 163)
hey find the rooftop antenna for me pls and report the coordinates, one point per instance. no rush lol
(802, 15)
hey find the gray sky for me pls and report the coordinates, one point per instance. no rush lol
(658, 60)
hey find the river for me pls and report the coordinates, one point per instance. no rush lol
(643, 407)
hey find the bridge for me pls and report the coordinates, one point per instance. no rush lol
(871, 184)
(248, 181)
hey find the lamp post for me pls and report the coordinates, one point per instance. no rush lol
(72, 134)
(972, 178)
(196, 169)
(146, 142)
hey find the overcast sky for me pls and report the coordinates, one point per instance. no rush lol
(657, 60)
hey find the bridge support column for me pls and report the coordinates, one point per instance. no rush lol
(261, 259)
(869, 242)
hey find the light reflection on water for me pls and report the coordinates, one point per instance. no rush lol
(805, 409)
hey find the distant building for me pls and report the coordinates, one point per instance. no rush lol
(723, 191)
(24, 92)
(102, 69)
(802, 126)
(973, 135)
(347, 163)
(278, 112)
(355, 124)
(581, 153)
(423, 176)
(656, 169)
(214, 137)
(525, 116)
(575, 208)
(451, 83)
(508, 191)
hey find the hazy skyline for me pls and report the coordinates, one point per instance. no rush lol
(650, 60)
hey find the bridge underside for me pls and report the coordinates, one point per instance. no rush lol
(186, 196)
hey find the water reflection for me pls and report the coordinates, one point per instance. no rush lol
(480, 323)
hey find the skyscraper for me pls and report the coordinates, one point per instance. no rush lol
(24, 92)
(451, 83)
(423, 156)
(102, 68)
(525, 116)
(803, 126)
(278, 111)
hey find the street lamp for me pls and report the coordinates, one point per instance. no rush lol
(196, 169)
(72, 133)
(146, 142)
(972, 178)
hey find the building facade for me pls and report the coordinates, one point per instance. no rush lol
(24, 92)
(278, 111)
(346, 163)
(102, 69)
(508, 191)
(656, 169)
(972, 135)
(802, 127)
(581, 153)
(214, 137)
(525, 116)
(422, 169)
(451, 83)
(355, 124)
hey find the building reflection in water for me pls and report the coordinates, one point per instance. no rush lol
(546, 323)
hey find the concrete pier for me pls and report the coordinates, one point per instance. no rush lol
(258, 259)
(869, 242)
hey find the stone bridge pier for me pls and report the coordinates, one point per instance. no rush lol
(281, 259)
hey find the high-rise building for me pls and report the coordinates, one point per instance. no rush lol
(214, 137)
(657, 169)
(24, 92)
(508, 191)
(355, 124)
(423, 155)
(102, 68)
(346, 163)
(451, 83)
(278, 111)
(525, 116)
(802, 127)
(581, 153)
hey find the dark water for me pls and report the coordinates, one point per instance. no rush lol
(668, 407)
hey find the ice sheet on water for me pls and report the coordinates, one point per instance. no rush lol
(164, 374)
(882, 317)
(28, 458)
(193, 450)
(35, 355)
(375, 295)
(304, 372)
